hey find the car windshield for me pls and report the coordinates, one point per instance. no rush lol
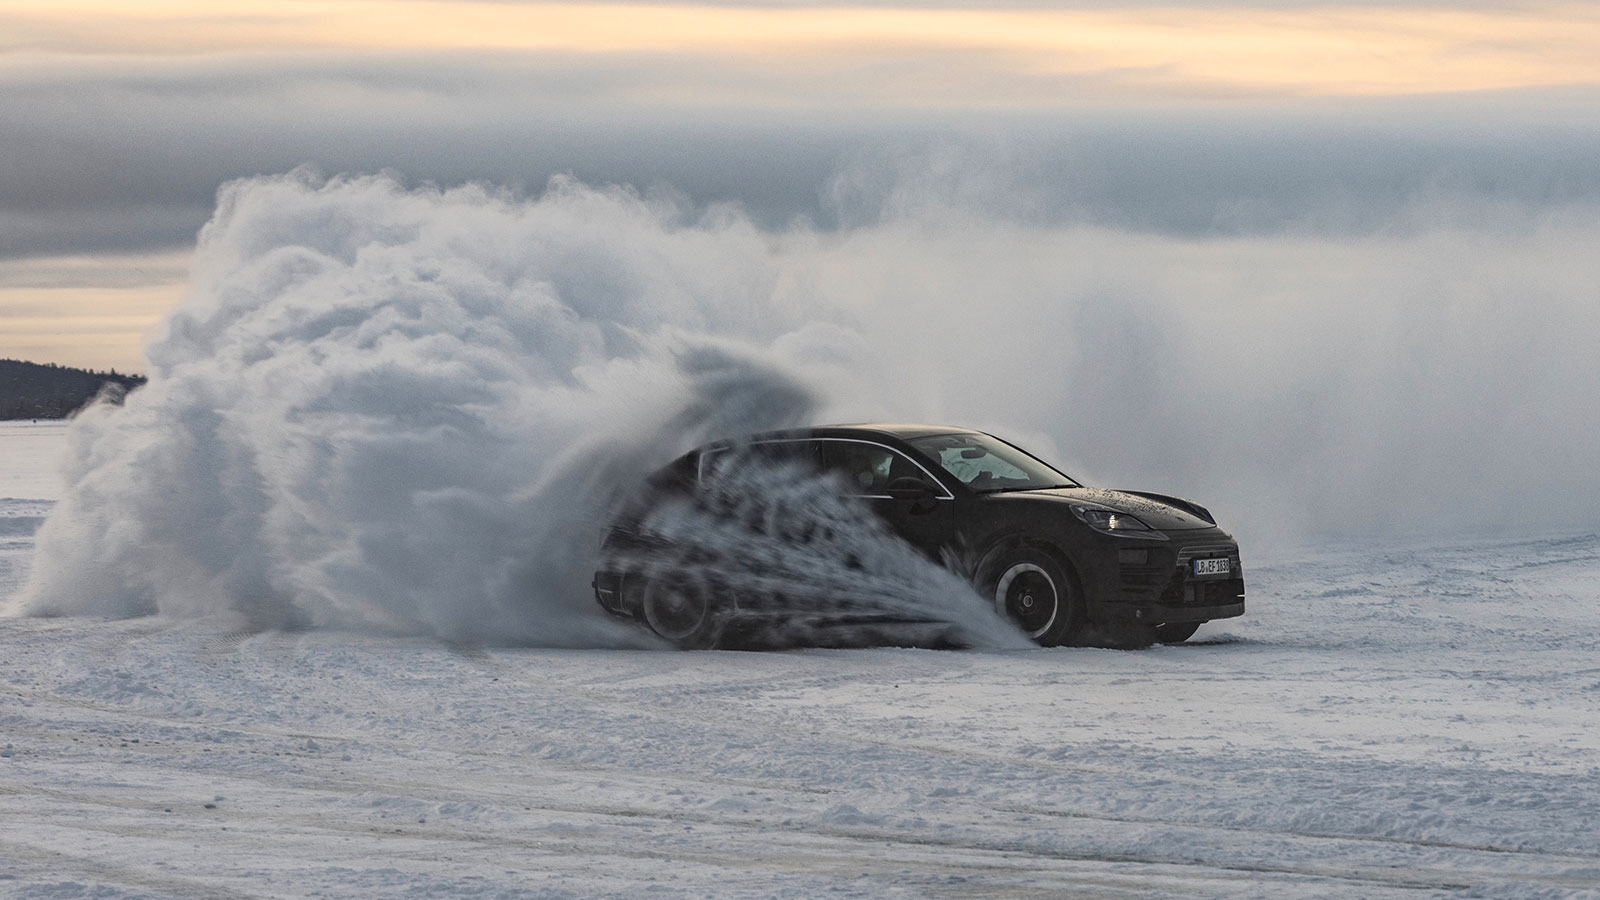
(988, 465)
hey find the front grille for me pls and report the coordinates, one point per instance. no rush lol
(1173, 595)
(1145, 576)
(1173, 585)
(1183, 589)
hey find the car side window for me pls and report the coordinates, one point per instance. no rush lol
(803, 455)
(866, 469)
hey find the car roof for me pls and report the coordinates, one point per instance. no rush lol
(877, 429)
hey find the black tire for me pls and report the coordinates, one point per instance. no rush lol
(683, 611)
(1032, 589)
(1176, 632)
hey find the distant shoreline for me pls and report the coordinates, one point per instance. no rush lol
(46, 391)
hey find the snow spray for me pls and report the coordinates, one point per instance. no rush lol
(412, 411)
(399, 409)
(806, 564)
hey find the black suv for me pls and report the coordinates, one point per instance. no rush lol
(1067, 564)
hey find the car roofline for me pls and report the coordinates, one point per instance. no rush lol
(901, 431)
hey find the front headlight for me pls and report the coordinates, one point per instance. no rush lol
(1111, 521)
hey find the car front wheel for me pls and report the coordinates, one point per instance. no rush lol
(1032, 591)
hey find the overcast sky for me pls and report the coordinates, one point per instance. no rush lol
(1194, 120)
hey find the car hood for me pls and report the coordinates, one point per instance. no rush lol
(1176, 515)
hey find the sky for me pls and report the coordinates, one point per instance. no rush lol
(1192, 119)
(1327, 265)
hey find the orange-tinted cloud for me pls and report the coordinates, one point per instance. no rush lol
(86, 311)
(1169, 51)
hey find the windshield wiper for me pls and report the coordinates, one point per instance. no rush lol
(1027, 487)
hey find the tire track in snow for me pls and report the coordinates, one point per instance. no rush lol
(926, 852)
(456, 792)
(1313, 835)
(52, 867)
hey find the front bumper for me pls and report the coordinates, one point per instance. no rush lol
(1159, 586)
(1168, 615)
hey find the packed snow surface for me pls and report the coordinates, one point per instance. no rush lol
(1386, 721)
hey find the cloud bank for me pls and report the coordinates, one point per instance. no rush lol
(126, 154)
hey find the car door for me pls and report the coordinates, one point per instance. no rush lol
(866, 469)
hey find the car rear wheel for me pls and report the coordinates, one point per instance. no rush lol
(1032, 591)
(1176, 632)
(683, 611)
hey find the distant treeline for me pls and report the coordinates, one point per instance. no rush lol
(48, 391)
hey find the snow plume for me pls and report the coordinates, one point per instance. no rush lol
(411, 411)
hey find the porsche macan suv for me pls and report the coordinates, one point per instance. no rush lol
(1065, 563)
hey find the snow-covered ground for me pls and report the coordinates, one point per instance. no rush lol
(1386, 721)
(29, 483)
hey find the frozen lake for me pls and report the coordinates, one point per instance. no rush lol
(29, 454)
(1418, 720)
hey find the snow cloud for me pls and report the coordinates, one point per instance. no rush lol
(1436, 376)
(409, 410)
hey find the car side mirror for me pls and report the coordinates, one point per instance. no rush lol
(910, 487)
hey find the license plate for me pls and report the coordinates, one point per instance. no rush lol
(1212, 567)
